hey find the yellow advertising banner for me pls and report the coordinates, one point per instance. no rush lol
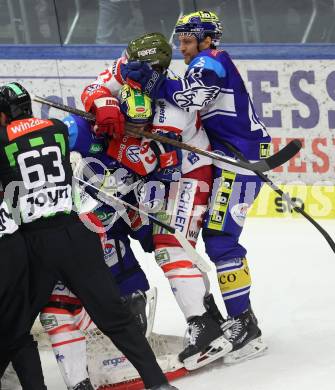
(316, 200)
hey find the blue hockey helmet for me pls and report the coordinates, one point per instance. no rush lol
(200, 24)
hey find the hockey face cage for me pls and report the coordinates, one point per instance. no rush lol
(15, 101)
(152, 48)
(200, 24)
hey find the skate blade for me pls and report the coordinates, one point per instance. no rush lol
(217, 348)
(254, 349)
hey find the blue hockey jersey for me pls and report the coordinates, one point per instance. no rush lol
(213, 85)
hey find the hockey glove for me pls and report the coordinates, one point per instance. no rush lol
(169, 158)
(140, 75)
(109, 118)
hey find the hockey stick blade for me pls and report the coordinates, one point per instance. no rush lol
(107, 198)
(279, 158)
(299, 210)
(272, 162)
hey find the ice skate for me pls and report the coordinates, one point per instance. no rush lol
(205, 342)
(84, 385)
(245, 336)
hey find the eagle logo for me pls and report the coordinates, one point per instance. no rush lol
(196, 96)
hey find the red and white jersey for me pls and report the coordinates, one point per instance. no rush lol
(187, 124)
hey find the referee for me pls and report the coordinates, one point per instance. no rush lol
(36, 172)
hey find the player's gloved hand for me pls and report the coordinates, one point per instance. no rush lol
(109, 118)
(169, 158)
(140, 75)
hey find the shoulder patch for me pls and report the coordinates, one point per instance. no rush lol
(209, 63)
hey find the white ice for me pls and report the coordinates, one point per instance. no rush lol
(293, 296)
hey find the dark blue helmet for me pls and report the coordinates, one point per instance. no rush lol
(200, 24)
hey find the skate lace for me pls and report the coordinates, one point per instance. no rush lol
(193, 332)
(235, 329)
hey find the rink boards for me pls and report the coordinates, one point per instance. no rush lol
(294, 97)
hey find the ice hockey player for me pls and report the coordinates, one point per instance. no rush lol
(187, 194)
(213, 86)
(35, 169)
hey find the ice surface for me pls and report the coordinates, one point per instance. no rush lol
(293, 296)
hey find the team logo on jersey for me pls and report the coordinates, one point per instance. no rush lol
(133, 154)
(193, 158)
(21, 127)
(196, 97)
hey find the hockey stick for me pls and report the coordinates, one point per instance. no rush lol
(106, 197)
(287, 197)
(266, 164)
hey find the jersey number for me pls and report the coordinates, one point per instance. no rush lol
(34, 175)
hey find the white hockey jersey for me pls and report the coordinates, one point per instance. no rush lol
(167, 117)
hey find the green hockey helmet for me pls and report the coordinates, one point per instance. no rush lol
(152, 48)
